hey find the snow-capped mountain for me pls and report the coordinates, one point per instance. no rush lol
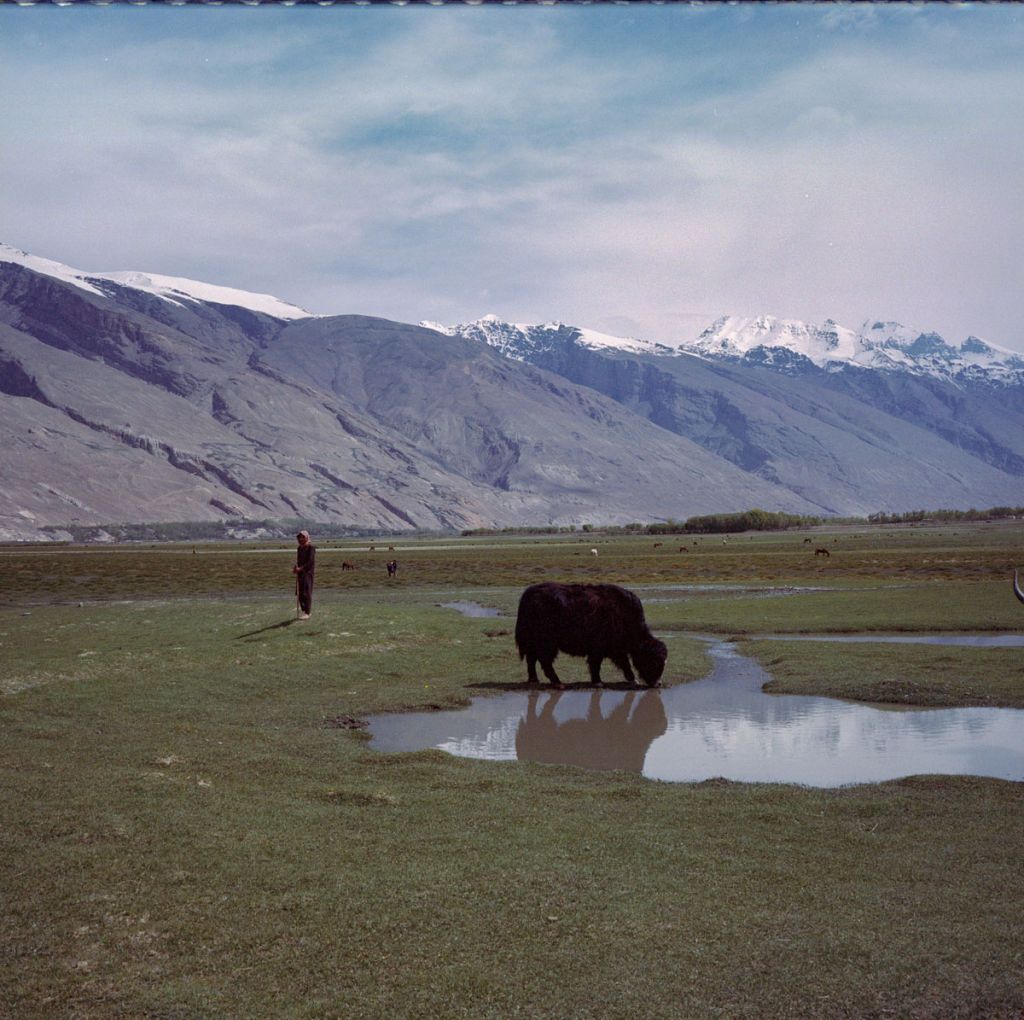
(885, 346)
(126, 399)
(785, 345)
(521, 341)
(173, 289)
(832, 399)
(134, 397)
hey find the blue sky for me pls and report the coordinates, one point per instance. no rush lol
(636, 170)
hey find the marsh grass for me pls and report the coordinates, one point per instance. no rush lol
(189, 829)
(858, 557)
(985, 606)
(936, 676)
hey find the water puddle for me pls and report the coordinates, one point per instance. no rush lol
(683, 592)
(471, 609)
(721, 726)
(963, 640)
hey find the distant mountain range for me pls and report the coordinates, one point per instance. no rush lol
(135, 397)
(783, 344)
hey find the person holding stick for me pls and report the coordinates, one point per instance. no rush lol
(305, 563)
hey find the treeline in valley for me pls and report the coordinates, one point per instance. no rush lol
(761, 520)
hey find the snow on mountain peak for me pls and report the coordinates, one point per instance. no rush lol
(886, 346)
(47, 267)
(178, 288)
(519, 339)
(174, 289)
(783, 344)
(735, 336)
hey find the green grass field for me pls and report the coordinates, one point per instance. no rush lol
(188, 829)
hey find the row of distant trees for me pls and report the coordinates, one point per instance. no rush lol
(925, 516)
(707, 524)
(763, 520)
(748, 520)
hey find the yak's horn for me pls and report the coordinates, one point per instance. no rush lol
(1016, 587)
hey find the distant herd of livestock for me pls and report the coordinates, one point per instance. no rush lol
(392, 565)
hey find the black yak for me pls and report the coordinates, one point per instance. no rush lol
(596, 621)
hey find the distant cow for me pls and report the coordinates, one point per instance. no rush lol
(822, 552)
(596, 621)
(392, 566)
(345, 565)
(593, 552)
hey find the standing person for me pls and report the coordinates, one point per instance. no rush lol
(305, 563)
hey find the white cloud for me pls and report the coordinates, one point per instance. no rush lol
(436, 167)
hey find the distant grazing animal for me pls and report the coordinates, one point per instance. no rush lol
(1016, 587)
(822, 552)
(593, 552)
(345, 565)
(807, 541)
(596, 621)
(657, 545)
(684, 548)
(392, 566)
(391, 548)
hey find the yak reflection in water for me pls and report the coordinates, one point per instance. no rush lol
(616, 741)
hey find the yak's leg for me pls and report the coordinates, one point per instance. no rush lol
(622, 661)
(594, 662)
(531, 669)
(549, 671)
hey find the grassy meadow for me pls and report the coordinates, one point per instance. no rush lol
(192, 825)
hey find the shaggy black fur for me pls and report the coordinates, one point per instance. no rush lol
(596, 621)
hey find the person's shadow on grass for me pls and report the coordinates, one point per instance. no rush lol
(263, 630)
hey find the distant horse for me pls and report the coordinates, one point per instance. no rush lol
(822, 552)
(345, 565)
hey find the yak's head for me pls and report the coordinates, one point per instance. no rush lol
(649, 660)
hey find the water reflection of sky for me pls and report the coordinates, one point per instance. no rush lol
(723, 725)
(962, 640)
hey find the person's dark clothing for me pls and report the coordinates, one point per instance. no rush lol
(305, 560)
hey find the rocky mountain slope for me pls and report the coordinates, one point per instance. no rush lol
(132, 397)
(827, 413)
